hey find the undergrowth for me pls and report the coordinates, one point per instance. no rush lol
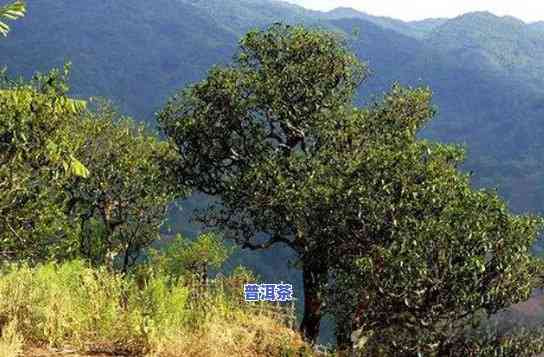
(145, 314)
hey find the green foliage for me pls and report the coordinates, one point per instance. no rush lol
(352, 191)
(250, 132)
(473, 110)
(183, 257)
(122, 203)
(11, 11)
(496, 113)
(488, 343)
(77, 182)
(36, 160)
(416, 253)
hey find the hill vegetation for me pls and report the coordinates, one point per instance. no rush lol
(72, 306)
(391, 238)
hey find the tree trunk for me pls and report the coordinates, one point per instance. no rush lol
(343, 335)
(126, 259)
(313, 275)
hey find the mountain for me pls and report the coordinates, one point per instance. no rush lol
(537, 26)
(417, 29)
(486, 73)
(239, 16)
(487, 42)
(132, 52)
(497, 117)
(427, 25)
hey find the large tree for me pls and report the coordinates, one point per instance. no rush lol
(249, 132)
(415, 253)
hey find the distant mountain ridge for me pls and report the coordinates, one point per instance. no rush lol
(537, 26)
(502, 44)
(417, 29)
(420, 25)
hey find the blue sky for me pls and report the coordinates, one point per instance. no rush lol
(527, 10)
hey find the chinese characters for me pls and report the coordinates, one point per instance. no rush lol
(268, 292)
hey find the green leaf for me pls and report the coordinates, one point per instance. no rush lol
(11, 12)
(78, 169)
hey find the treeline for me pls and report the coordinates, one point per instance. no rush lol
(391, 238)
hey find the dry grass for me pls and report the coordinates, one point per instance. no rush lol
(74, 307)
(244, 335)
(11, 342)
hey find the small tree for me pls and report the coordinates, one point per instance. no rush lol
(122, 204)
(36, 160)
(51, 205)
(183, 257)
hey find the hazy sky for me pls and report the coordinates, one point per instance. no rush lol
(527, 10)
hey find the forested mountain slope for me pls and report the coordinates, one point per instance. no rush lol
(135, 53)
(485, 70)
(496, 116)
(490, 43)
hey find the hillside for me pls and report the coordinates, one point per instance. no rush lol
(141, 51)
(538, 26)
(486, 42)
(416, 29)
(164, 319)
(129, 56)
(494, 115)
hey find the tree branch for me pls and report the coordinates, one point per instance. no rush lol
(275, 239)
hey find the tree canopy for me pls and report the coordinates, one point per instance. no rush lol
(77, 181)
(248, 131)
(37, 157)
